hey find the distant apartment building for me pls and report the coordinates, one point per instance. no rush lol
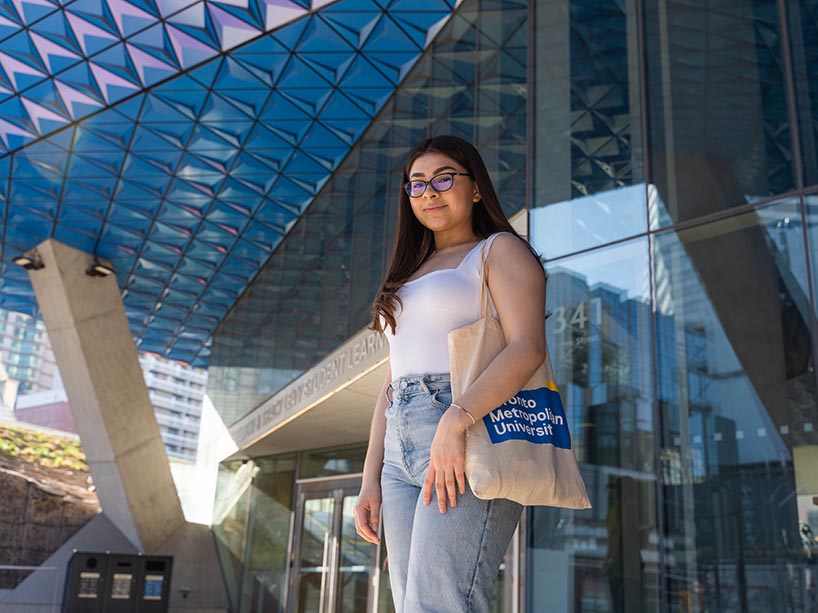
(176, 390)
(26, 353)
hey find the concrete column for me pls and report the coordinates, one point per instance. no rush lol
(98, 361)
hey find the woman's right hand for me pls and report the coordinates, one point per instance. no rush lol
(367, 512)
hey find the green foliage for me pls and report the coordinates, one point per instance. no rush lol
(40, 448)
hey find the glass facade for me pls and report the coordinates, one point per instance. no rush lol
(666, 153)
(316, 289)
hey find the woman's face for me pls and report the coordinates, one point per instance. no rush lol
(449, 211)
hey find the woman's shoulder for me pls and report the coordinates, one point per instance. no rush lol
(508, 251)
(506, 243)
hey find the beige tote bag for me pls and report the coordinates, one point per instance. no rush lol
(522, 449)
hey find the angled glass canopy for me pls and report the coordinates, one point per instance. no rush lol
(187, 183)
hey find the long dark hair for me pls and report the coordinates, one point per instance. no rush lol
(414, 242)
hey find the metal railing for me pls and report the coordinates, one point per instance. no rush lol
(45, 596)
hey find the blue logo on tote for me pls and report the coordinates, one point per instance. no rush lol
(536, 416)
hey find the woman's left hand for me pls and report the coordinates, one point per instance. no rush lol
(447, 462)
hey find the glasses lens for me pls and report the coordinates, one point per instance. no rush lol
(442, 182)
(416, 188)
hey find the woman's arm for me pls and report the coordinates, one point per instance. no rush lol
(368, 507)
(517, 285)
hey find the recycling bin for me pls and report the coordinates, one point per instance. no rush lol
(117, 583)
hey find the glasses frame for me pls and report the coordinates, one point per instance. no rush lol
(407, 187)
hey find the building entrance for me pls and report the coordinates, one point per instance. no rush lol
(332, 569)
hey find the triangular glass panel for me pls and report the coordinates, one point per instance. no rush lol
(262, 237)
(363, 73)
(387, 35)
(320, 37)
(95, 12)
(175, 133)
(394, 64)
(213, 150)
(331, 66)
(248, 101)
(30, 164)
(103, 137)
(22, 49)
(76, 192)
(102, 169)
(310, 99)
(77, 238)
(236, 193)
(218, 111)
(279, 109)
(267, 68)
(147, 140)
(290, 131)
(234, 133)
(234, 76)
(252, 174)
(9, 10)
(355, 22)
(183, 94)
(130, 18)
(290, 34)
(300, 74)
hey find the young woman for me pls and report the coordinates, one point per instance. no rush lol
(444, 544)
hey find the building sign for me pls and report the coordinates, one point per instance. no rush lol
(360, 354)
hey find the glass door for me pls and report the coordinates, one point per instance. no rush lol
(332, 567)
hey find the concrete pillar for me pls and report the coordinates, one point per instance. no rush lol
(95, 352)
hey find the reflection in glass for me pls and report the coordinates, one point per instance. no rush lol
(316, 289)
(599, 334)
(587, 125)
(719, 132)
(803, 19)
(268, 535)
(736, 392)
(354, 566)
(313, 577)
(331, 462)
(582, 223)
(233, 489)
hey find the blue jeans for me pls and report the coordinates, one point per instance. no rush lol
(444, 562)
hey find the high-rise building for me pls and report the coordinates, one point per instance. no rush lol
(26, 352)
(176, 390)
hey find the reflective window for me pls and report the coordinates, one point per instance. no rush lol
(332, 462)
(587, 135)
(599, 335)
(233, 488)
(268, 535)
(718, 128)
(737, 400)
(803, 18)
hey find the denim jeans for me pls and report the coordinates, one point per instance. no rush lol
(444, 562)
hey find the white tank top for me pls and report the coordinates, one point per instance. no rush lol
(434, 304)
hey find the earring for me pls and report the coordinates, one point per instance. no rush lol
(477, 197)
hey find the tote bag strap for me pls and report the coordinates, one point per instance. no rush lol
(485, 311)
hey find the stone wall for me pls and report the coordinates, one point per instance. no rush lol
(34, 521)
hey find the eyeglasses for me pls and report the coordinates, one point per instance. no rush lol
(441, 183)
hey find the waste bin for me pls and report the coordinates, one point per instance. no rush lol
(117, 583)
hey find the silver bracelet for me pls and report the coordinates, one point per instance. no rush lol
(473, 421)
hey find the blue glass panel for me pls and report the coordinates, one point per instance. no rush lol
(719, 130)
(803, 19)
(737, 403)
(143, 158)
